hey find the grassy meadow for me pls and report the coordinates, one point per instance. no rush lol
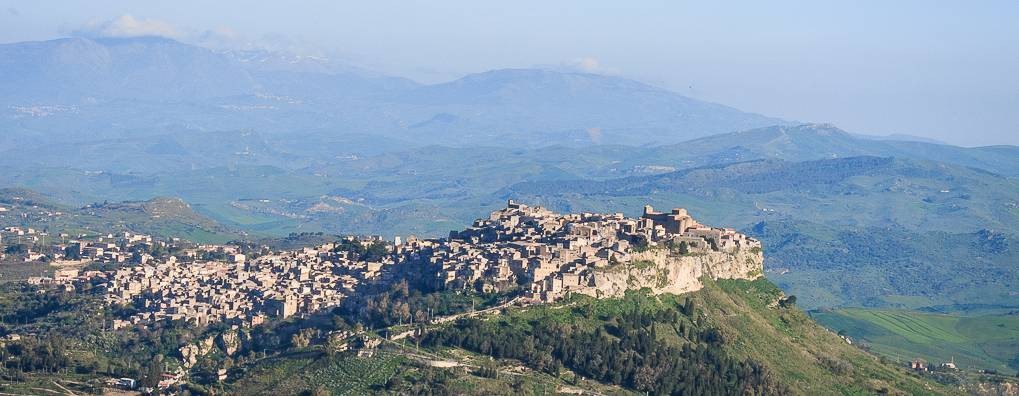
(975, 342)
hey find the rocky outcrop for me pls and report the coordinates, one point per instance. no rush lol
(229, 342)
(1004, 388)
(192, 352)
(664, 271)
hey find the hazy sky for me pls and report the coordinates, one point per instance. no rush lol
(943, 70)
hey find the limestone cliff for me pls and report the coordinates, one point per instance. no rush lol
(663, 271)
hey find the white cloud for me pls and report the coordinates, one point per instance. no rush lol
(220, 37)
(588, 64)
(594, 133)
(130, 26)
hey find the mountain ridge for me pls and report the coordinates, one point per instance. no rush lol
(115, 84)
(820, 141)
(162, 216)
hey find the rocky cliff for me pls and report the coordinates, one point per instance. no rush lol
(664, 271)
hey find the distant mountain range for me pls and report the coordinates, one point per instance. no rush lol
(508, 106)
(71, 87)
(823, 141)
(76, 71)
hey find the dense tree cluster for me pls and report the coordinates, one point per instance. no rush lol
(363, 251)
(625, 351)
(31, 354)
(404, 302)
(17, 249)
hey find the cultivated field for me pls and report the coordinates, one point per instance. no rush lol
(975, 342)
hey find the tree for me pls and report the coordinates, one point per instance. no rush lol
(644, 379)
(20, 248)
(714, 245)
(489, 370)
(339, 323)
(684, 248)
(72, 252)
(689, 307)
(153, 372)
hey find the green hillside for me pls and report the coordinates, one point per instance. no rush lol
(162, 217)
(729, 335)
(829, 266)
(974, 342)
(824, 141)
(809, 358)
(848, 192)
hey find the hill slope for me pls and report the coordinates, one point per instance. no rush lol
(972, 342)
(857, 191)
(824, 141)
(729, 336)
(163, 217)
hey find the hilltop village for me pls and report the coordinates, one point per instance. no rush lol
(553, 254)
(543, 255)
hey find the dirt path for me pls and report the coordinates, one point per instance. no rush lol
(46, 390)
(497, 308)
(69, 392)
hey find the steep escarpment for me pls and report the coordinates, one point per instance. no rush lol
(666, 271)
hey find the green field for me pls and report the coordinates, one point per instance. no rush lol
(975, 342)
(308, 370)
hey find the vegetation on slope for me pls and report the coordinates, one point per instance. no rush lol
(162, 217)
(829, 266)
(621, 348)
(805, 356)
(972, 342)
(754, 341)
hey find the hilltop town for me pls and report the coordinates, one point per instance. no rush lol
(553, 255)
(520, 254)
(541, 255)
